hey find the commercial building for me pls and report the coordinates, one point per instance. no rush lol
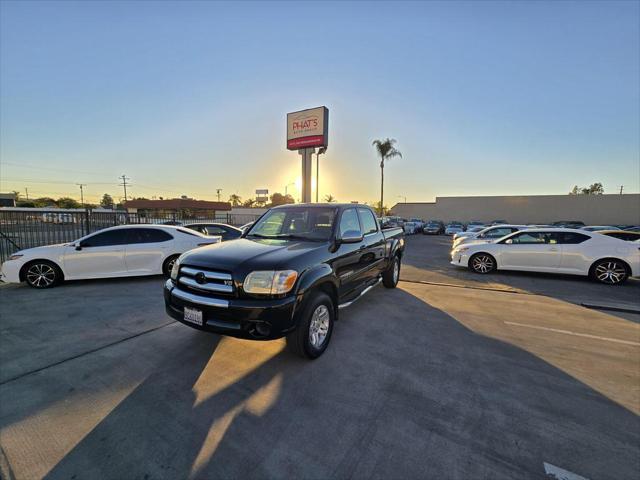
(7, 199)
(179, 207)
(543, 209)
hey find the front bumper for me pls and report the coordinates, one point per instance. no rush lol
(459, 259)
(11, 271)
(266, 319)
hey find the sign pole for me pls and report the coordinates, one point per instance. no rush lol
(306, 154)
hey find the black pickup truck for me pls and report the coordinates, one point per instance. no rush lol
(288, 275)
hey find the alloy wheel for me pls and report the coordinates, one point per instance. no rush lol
(41, 275)
(319, 326)
(482, 263)
(611, 272)
(396, 270)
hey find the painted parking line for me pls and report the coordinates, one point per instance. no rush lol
(558, 473)
(576, 334)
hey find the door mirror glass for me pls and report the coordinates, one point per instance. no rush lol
(351, 236)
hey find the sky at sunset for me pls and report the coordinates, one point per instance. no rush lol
(187, 97)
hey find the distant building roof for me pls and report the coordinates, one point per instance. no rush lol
(177, 204)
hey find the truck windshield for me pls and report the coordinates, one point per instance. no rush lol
(315, 224)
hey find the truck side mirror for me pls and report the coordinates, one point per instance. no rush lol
(351, 236)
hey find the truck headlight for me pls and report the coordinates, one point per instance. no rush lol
(175, 269)
(270, 282)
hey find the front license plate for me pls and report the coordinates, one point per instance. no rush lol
(193, 315)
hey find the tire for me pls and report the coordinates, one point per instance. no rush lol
(42, 274)
(315, 326)
(168, 265)
(610, 271)
(482, 263)
(391, 275)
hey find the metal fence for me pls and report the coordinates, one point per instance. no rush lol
(28, 228)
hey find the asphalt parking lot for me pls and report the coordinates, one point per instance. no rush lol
(451, 375)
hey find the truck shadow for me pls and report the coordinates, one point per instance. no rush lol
(404, 391)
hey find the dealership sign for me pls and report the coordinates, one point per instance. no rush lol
(308, 128)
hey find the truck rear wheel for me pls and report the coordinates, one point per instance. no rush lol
(315, 326)
(391, 275)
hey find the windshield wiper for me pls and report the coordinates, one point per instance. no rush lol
(289, 236)
(258, 235)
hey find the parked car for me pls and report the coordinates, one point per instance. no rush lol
(419, 224)
(433, 227)
(226, 232)
(568, 224)
(123, 251)
(597, 228)
(453, 228)
(474, 224)
(469, 232)
(554, 250)
(626, 235)
(488, 234)
(410, 228)
(287, 276)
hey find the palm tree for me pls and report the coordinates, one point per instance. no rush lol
(329, 198)
(387, 151)
(235, 200)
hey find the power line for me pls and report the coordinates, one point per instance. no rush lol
(23, 165)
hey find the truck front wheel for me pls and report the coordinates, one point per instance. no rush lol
(315, 326)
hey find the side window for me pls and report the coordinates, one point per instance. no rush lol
(349, 222)
(499, 232)
(369, 224)
(572, 238)
(106, 239)
(530, 238)
(199, 228)
(211, 230)
(148, 235)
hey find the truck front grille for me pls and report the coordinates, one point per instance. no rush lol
(205, 281)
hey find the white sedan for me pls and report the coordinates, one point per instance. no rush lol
(486, 235)
(554, 250)
(125, 251)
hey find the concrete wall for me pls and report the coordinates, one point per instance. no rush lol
(591, 209)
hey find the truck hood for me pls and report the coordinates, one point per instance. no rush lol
(251, 254)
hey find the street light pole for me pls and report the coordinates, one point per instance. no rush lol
(320, 152)
(81, 185)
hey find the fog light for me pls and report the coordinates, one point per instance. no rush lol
(263, 328)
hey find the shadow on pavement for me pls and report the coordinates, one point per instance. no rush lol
(404, 391)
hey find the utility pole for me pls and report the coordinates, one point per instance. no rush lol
(621, 188)
(218, 190)
(81, 185)
(124, 185)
